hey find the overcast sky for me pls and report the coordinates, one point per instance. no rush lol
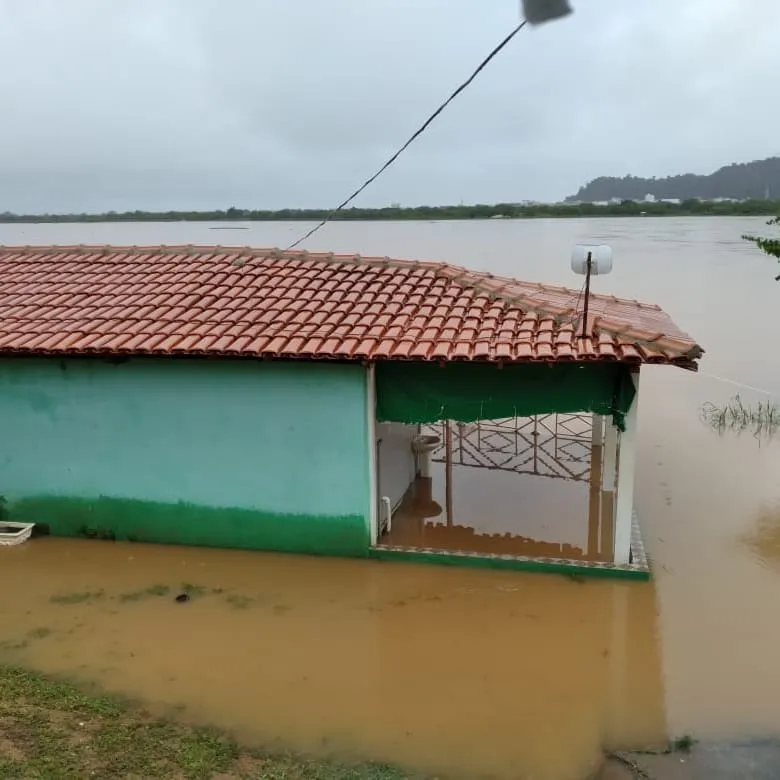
(158, 104)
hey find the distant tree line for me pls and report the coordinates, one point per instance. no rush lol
(627, 208)
(757, 179)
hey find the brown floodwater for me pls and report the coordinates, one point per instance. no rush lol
(466, 672)
(455, 670)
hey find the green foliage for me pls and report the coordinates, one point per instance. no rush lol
(770, 246)
(755, 179)
(625, 208)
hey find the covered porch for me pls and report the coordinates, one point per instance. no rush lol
(526, 467)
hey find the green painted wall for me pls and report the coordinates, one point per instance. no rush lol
(258, 455)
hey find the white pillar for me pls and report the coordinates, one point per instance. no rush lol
(624, 503)
(597, 435)
(610, 457)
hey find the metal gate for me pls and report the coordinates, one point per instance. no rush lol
(549, 445)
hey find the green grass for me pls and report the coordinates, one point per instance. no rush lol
(77, 598)
(39, 633)
(683, 744)
(237, 601)
(193, 590)
(138, 595)
(53, 729)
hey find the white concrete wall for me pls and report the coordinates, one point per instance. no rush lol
(395, 460)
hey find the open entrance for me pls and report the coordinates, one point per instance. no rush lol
(518, 486)
(539, 488)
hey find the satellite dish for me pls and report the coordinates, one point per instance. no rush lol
(600, 257)
(589, 260)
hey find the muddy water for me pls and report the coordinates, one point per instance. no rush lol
(486, 673)
(450, 670)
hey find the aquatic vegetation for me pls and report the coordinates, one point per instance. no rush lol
(237, 601)
(762, 420)
(77, 598)
(137, 595)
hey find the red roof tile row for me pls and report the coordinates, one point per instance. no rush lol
(270, 303)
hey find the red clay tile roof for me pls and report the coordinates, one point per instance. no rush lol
(269, 303)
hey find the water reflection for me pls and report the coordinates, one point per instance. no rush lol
(520, 486)
(490, 512)
(459, 671)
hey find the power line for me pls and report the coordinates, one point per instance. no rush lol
(413, 137)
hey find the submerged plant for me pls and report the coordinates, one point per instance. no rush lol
(761, 419)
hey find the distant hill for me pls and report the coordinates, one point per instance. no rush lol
(758, 179)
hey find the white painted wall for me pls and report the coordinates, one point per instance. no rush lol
(395, 460)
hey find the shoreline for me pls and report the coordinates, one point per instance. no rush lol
(500, 212)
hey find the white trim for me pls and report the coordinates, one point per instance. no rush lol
(373, 515)
(609, 459)
(624, 501)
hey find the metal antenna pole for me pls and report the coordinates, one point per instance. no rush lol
(588, 266)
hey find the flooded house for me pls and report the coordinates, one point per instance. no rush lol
(318, 403)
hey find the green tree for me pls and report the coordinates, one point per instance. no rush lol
(770, 246)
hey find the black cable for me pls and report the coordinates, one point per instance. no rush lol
(416, 134)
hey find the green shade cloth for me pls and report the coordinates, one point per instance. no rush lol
(427, 392)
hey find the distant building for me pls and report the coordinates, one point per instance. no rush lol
(649, 198)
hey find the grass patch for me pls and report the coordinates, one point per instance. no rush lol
(39, 633)
(14, 644)
(138, 595)
(237, 601)
(77, 598)
(53, 729)
(192, 590)
(682, 744)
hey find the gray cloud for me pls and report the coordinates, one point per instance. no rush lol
(272, 103)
